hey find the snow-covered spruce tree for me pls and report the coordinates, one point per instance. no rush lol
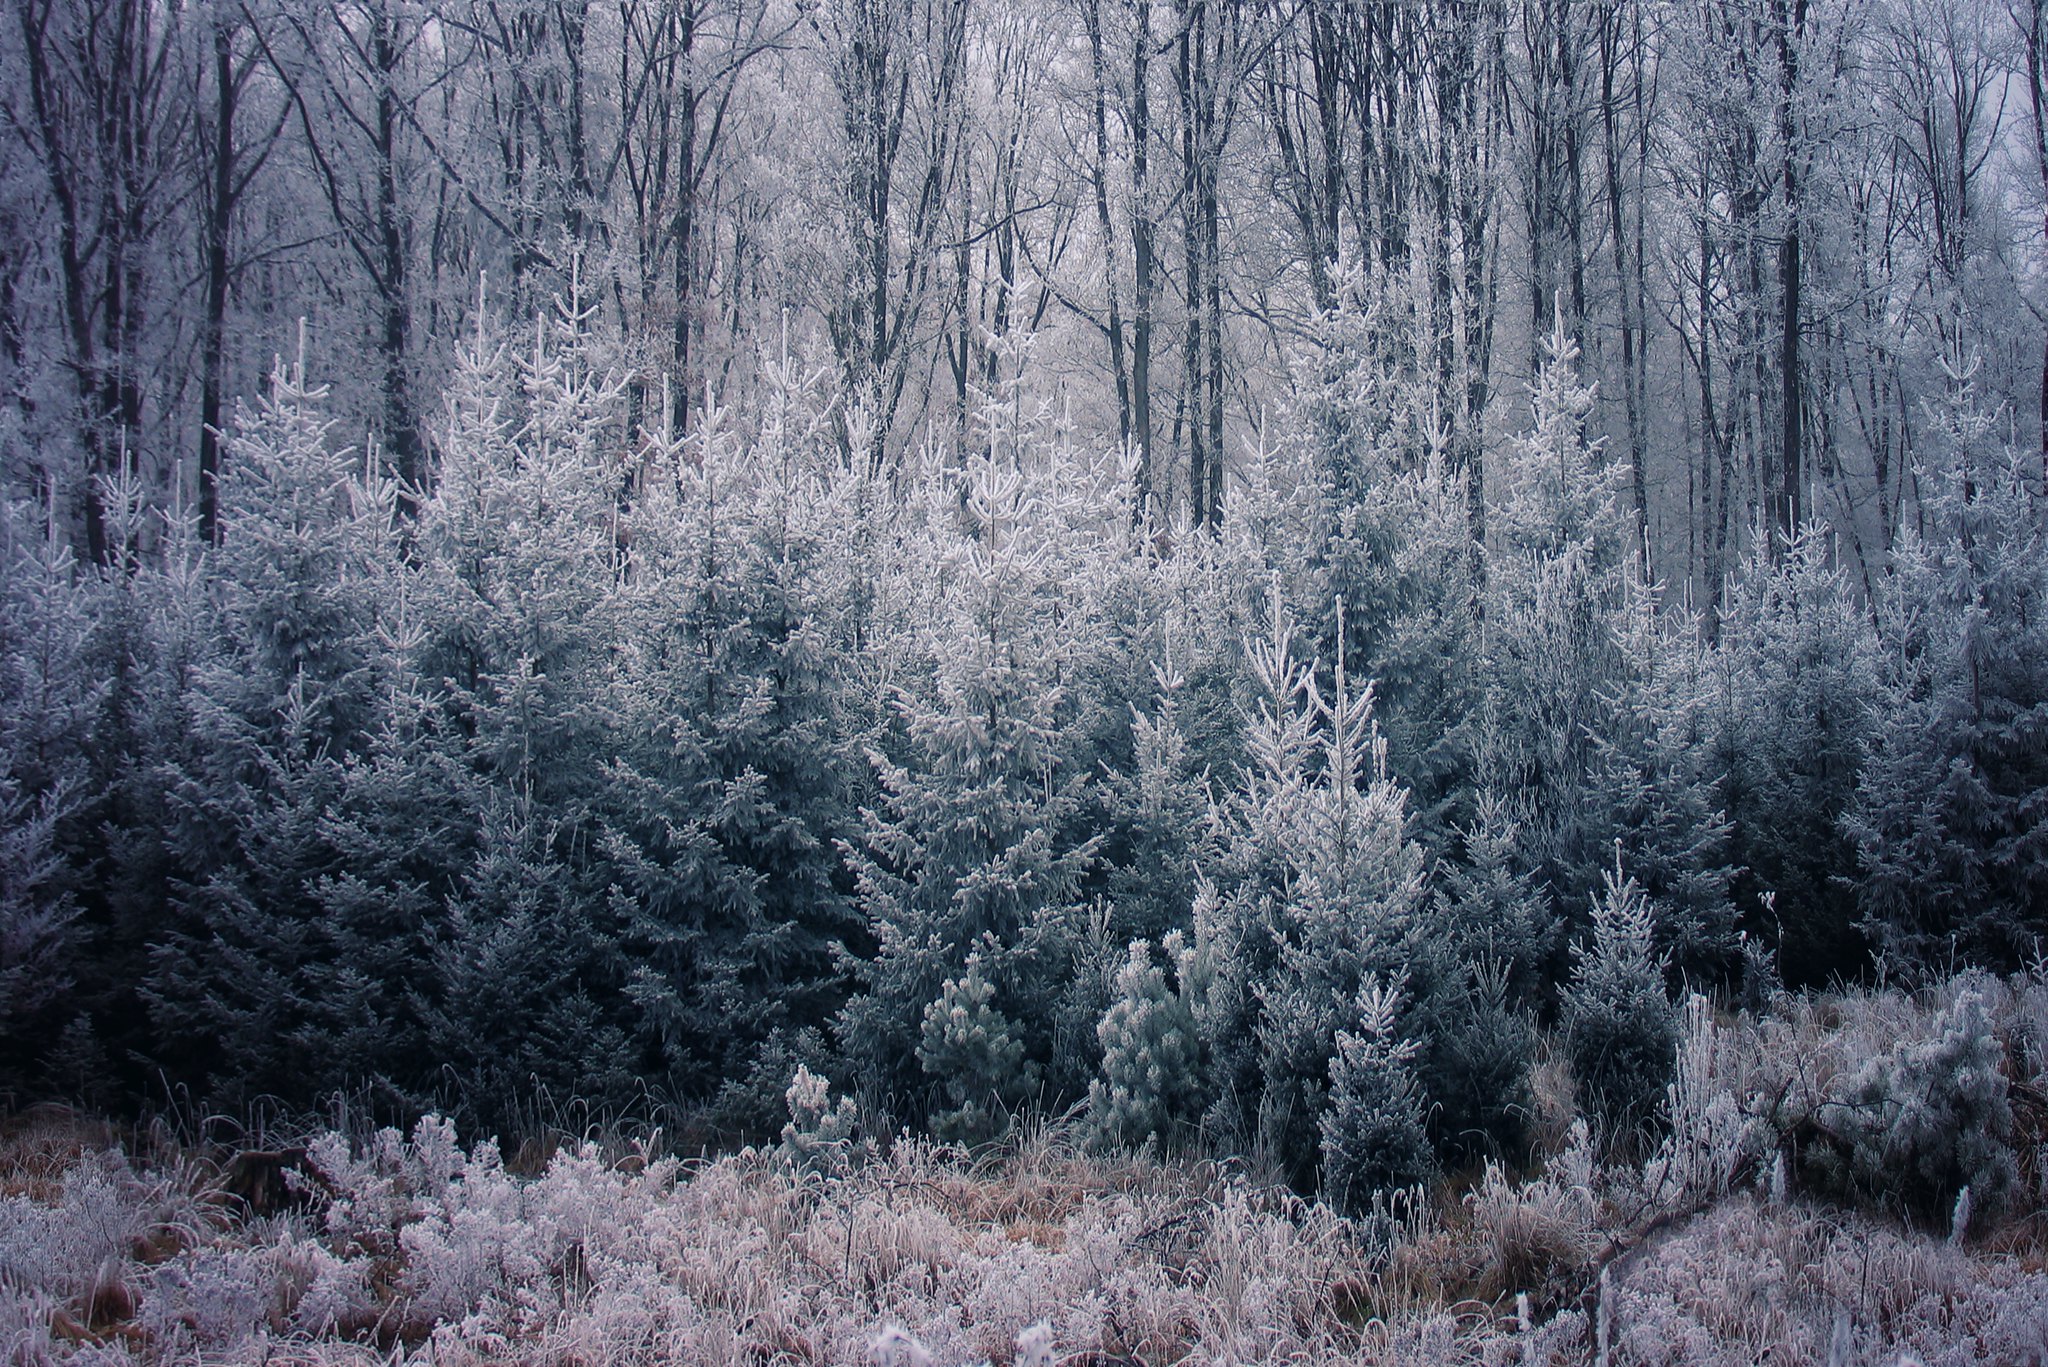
(1373, 1133)
(525, 979)
(405, 817)
(1950, 828)
(47, 696)
(301, 529)
(518, 619)
(523, 535)
(1166, 621)
(1151, 1088)
(230, 994)
(1421, 639)
(47, 702)
(1920, 1123)
(1477, 1047)
(37, 935)
(1621, 1033)
(1157, 807)
(1479, 974)
(1390, 538)
(1321, 868)
(1797, 676)
(1490, 908)
(1237, 907)
(1656, 785)
(820, 1134)
(275, 714)
(155, 632)
(972, 845)
(1555, 562)
(732, 771)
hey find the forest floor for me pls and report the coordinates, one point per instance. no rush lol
(394, 1249)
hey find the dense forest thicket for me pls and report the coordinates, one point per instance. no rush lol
(1251, 567)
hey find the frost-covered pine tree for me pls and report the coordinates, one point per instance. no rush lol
(820, 1132)
(47, 703)
(731, 772)
(518, 609)
(1237, 908)
(156, 636)
(1555, 561)
(969, 1048)
(37, 934)
(1490, 908)
(1477, 1047)
(526, 978)
(1162, 675)
(1390, 533)
(1481, 970)
(1152, 1074)
(1157, 807)
(299, 533)
(1324, 886)
(1656, 786)
(1926, 1124)
(241, 968)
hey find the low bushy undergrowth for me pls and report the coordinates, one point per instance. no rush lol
(1734, 1241)
(1901, 1101)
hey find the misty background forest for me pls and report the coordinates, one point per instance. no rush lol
(1260, 572)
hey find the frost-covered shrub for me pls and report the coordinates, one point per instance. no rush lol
(2023, 1020)
(473, 1245)
(214, 1298)
(820, 1133)
(1748, 1282)
(1919, 1122)
(369, 1196)
(1711, 1139)
(321, 1294)
(1531, 1237)
(104, 1213)
(1045, 1255)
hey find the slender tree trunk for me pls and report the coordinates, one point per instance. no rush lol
(1190, 44)
(401, 427)
(1610, 67)
(1091, 17)
(1718, 470)
(2037, 91)
(219, 210)
(1210, 148)
(683, 226)
(1791, 457)
(1143, 243)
